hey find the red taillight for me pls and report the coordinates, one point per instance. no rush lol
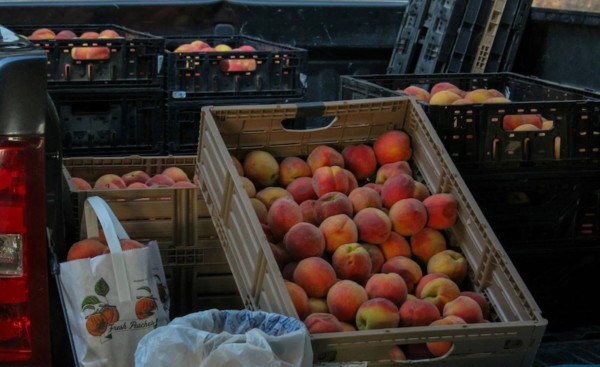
(24, 316)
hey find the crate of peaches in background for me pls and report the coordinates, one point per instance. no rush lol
(97, 54)
(365, 230)
(156, 198)
(221, 67)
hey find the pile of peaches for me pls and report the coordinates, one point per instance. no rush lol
(226, 65)
(446, 93)
(49, 34)
(360, 242)
(172, 176)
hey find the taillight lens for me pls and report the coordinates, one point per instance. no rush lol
(24, 315)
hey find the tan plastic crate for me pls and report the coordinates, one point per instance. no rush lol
(511, 340)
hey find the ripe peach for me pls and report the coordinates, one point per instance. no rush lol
(318, 323)
(392, 146)
(141, 185)
(97, 53)
(406, 267)
(526, 127)
(374, 225)
(418, 312)
(221, 47)
(282, 215)
(347, 326)
(280, 254)
(440, 291)
(315, 275)
(374, 186)
(332, 203)
(419, 93)
(400, 186)
(377, 258)
(478, 95)
(396, 354)
(442, 210)
(352, 261)
(80, 184)
(65, 34)
(408, 216)
(42, 34)
(260, 209)
(308, 211)
(127, 244)
(338, 229)
(288, 270)
(330, 178)
(248, 186)
(317, 305)
(360, 160)
(426, 243)
(446, 86)
(261, 167)
(497, 100)
(464, 307)
(109, 181)
(388, 170)
(185, 47)
(377, 313)
(199, 44)
(89, 35)
(481, 300)
(344, 298)
(109, 33)
(440, 348)
(302, 189)
(160, 180)
(291, 168)
(395, 245)
(352, 182)
(461, 101)
(304, 240)
(299, 299)
(511, 122)
(85, 248)
(444, 97)
(364, 197)
(387, 285)
(238, 165)
(269, 195)
(135, 176)
(421, 191)
(449, 262)
(426, 279)
(324, 155)
(176, 173)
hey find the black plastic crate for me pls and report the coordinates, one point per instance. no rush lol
(277, 70)
(111, 121)
(473, 134)
(134, 60)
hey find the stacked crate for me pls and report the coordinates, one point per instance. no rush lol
(454, 36)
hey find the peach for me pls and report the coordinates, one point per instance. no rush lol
(406, 267)
(449, 262)
(461, 101)
(417, 351)
(324, 155)
(332, 203)
(85, 248)
(388, 170)
(246, 48)
(352, 182)
(387, 285)
(299, 299)
(347, 326)
(261, 167)
(377, 258)
(199, 44)
(364, 197)
(135, 176)
(42, 34)
(330, 178)
(291, 168)
(260, 209)
(304, 240)
(315, 275)
(267, 232)
(464, 307)
(481, 300)
(374, 186)
(392, 146)
(186, 47)
(344, 298)
(418, 312)
(238, 165)
(511, 122)
(440, 86)
(426, 243)
(269, 195)
(497, 100)
(176, 173)
(221, 47)
(395, 245)
(80, 184)
(302, 189)
(160, 180)
(140, 185)
(127, 244)
(98, 53)
(109, 181)
(65, 34)
(280, 254)
(421, 191)
(248, 186)
(426, 279)
(282, 215)
(186, 184)
(442, 211)
(89, 35)
(419, 93)
(377, 313)
(440, 348)
(318, 323)
(352, 261)
(440, 291)
(338, 229)
(408, 216)
(308, 211)
(478, 95)
(317, 305)
(398, 187)
(444, 97)
(288, 270)
(526, 127)
(374, 226)
(109, 33)
(396, 354)
(360, 160)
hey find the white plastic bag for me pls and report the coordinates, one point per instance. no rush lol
(227, 338)
(111, 301)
